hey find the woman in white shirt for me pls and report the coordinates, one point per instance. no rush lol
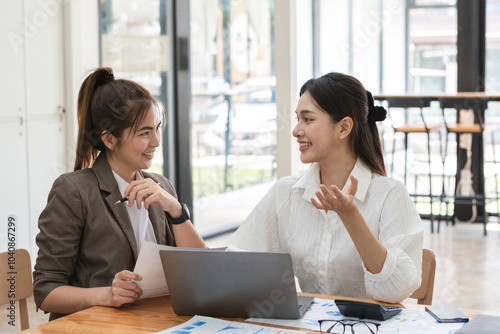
(351, 231)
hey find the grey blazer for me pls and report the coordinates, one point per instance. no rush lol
(84, 238)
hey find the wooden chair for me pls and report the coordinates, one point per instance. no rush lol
(15, 267)
(426, 290)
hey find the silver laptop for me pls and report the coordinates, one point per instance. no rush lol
(232, 284)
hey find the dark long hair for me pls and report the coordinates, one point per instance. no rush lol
(341, 95)
(106, 105)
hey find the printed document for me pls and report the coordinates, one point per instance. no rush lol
(150, 268)
(207, 325)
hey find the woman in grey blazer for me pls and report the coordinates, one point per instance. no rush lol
(89, 240)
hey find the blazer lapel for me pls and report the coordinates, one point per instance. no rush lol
(111, 194)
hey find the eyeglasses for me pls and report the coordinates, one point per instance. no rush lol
(357, 327)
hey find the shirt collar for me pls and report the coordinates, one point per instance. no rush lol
(310, 180)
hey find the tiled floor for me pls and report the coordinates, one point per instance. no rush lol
(467, 274)
(468, 266)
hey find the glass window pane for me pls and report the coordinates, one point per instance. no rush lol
(394, 47)
(492, 81)
(334, 46)
(492, 45)
(435, 2)
(367, 30)
(135, 45)
(233, 119)
(368, 40)
(350, 35)
(433, 50)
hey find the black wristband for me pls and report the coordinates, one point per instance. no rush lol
(179, 220)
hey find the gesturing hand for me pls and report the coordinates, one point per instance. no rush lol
(123, 289)
(336, 200)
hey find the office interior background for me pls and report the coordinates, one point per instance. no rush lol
(228, 72)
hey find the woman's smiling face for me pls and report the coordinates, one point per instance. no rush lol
(138, 146)
(315, 132)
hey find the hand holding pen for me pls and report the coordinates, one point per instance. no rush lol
(125, 199)
(142, 191)
(149, 192)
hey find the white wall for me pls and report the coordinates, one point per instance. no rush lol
(46, 47)
(13, 127)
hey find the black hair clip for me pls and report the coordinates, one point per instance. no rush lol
(108, 78)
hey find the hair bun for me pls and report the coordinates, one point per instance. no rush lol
(375, 113)
(378, 113)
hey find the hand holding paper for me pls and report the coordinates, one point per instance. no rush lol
(150, 268)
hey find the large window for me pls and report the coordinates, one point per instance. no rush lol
(233, 118)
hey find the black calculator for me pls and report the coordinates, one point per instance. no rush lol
(356, 309)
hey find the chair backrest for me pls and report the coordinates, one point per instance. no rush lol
(16, 284)
(477, 105)
(409, 103)
(426, 290)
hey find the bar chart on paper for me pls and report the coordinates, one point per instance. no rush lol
(206, 325)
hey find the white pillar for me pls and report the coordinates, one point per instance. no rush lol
(286, 86)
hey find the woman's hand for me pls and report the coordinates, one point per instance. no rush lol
(336, 200)
(150, 192)
(123, 289)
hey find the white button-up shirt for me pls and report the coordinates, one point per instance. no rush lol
(324, 257)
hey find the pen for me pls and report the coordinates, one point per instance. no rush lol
(124, 199)
(121, 200)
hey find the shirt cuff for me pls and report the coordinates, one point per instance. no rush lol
(387, 269)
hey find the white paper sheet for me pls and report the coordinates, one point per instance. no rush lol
(149, 266)
(208, 325)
